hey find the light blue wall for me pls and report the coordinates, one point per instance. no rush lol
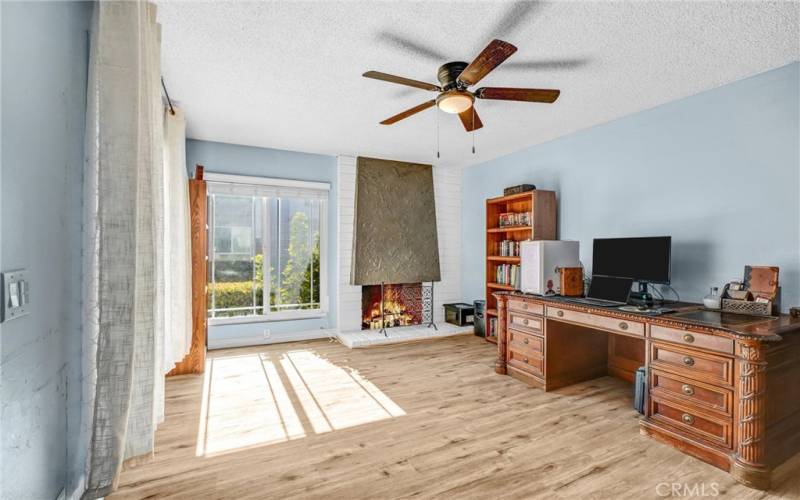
(44, 59)
(262, 162)
(719, 171)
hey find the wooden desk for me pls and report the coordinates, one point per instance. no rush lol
(724, 389)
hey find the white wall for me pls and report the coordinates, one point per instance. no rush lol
(447, 193)
(349, 313)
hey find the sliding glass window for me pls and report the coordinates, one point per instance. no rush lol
(267, 251)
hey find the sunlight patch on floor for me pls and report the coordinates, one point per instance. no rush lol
(246, 405)
(334, 397)
(250, 400)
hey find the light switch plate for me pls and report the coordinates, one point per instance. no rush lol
(15, 294)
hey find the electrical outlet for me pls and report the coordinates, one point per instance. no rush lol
(266, 333)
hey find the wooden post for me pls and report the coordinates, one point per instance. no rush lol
(500, 364)
(749, 464)
(195, 361)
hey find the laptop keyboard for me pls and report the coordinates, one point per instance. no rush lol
(597, 302)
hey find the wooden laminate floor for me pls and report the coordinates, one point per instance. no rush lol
(429, 420)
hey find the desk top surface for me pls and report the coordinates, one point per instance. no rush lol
(688, 315)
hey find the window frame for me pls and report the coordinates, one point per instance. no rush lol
(268, 315)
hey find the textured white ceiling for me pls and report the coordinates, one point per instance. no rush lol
(287, 75)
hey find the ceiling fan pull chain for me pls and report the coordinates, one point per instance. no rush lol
(474, 130)
(437, 132)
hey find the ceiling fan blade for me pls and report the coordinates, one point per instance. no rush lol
(377, 75)
(517, 15)
(556, 64)
(491, 57)
(411, 46)
(511, 94)
(470, 119)
(405, 114)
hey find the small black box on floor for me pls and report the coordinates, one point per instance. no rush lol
(459, 314)
(641, 389)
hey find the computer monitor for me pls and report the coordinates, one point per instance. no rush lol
(645, 260)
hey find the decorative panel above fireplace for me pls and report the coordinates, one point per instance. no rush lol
(394, 232)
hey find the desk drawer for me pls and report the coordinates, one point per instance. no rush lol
(525, 322)
(525, 306)
(692, 339)
(693, 364)
(525, 343)
(596, 321)
(713, 430)
(692, 393)
(530, 363)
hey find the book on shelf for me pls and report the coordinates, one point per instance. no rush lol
(512, 219)
(509, 248)
(507, 274)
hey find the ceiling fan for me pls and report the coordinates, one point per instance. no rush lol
(455, 78)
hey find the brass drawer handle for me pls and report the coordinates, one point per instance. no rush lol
(688, 390)
(525, 341)
(560, 314)
(525, 322)
(687, 419)
(688, 338)
(688, 361)
(525, 359)
(623, 325)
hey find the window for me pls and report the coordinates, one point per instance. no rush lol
(266, 248)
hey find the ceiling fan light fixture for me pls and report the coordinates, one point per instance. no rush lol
(454, 101)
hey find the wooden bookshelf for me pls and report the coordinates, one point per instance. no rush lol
(499, 258)
(542, 208)
(509, 229)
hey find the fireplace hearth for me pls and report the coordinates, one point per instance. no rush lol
(390, 305)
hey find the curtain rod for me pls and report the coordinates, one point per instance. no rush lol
(169, 101)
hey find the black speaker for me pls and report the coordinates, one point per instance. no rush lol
(480, 318)
(640, 389)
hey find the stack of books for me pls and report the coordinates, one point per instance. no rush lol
(507, 274)
(512, 219)
(509, 248)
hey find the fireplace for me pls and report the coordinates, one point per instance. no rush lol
(387, 306)
(395, 243)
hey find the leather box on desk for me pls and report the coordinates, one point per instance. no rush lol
(761, 282)
(571, 281)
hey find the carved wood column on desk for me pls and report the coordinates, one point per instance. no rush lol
(500, 363)
(749, 465)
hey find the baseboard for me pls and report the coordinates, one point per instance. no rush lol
(276, 338)
(77, 493)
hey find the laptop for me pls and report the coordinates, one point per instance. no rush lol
(607, 291)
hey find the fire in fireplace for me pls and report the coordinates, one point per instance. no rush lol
(400, 305)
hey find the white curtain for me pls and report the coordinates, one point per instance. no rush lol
(128, 252)
(177, 241)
